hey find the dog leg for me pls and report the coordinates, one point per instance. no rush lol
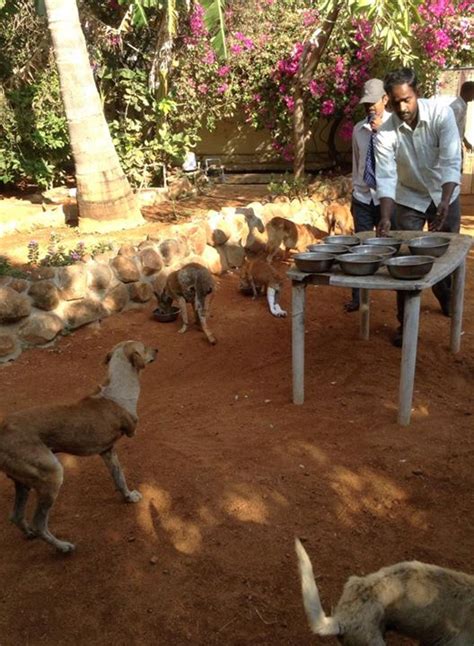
(254, 289)
(203, 316)
(113, 465)
(184, 315)
(18, 514)
(272, 297)
(47, 491)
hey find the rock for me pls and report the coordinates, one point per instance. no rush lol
(127, 250)
(116, 299)
(146, 244)
(151, 261)
(72, 281)
(99, 276)
(234, 255)
(211, 259)
(20, 285)
(125, 269)
(13, 306)
(172, 250)
(80, 313)
(197, 238)
(42, 273)
(140, 292)
(7, 345)
(40, 328)
(44, 294)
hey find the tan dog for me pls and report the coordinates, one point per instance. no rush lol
(256, 274)
(339, 218)
(292, 236)
(30, 439)
(193, 284)
(428, 603)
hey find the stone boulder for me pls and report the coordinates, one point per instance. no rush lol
(20, 285)
(8, 345)
(72, 281)
(116, 299)
(42, 273)
(140, 292)
(100, 276)
(79, 313)
(127, 250)
(125, 269)
(172, 250)
(44, 294)
(151, 261)
(13, 306)
(40, 328)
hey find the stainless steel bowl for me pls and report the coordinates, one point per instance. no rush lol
(381, 250)
(429, 246)
(166, 315)
(360, 264)
(314, 263)
(333, 248)
(409, 267)
(385, 242)
(348, 241)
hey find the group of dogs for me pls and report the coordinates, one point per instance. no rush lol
(432, 604)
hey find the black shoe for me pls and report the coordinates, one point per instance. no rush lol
(397, 339)
(351, 306)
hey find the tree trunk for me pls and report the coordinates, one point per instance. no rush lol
(299, 132)
(103, 191)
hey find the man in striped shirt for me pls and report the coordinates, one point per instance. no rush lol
(418, 168)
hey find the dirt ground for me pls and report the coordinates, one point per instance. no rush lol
(230, 471)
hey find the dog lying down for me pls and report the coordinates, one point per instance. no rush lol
(428, 603)
(30, 439)
(258, 276)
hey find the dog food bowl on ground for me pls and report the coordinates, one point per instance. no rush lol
(381, 250)
(166, 316)
(360, 264)
(429, 246)
(409, 267)
(314, 263)
(348, 241)
(385, 242)
(333, 248)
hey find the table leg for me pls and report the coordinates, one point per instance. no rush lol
(298, 296)
(411, 321)
(364, 314)
(457, 304)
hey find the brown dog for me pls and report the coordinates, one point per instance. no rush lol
(256, 274)
(426, 602)
(339, 218)
(30, 439)
(193, 284)
(292, 236)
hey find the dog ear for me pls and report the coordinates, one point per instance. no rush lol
(108, 357)
(137, 361)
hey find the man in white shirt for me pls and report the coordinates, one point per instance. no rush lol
(459, 107)
(365, 206)
(418, 161)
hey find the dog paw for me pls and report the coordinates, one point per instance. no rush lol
(65, 548)
(183, 329)
(133, 496)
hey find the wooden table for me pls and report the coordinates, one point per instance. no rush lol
(453, 261)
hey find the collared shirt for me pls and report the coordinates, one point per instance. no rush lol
(412, 165)
(459, 107)
(360, 143)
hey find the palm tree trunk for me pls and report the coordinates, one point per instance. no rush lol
(103, 191)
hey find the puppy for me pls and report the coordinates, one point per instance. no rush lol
(256, 274)
(193, 284)
(339, 219)
(30, 439)
(425, 602)
(292, 236)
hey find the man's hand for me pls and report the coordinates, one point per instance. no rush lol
(441, 215)
(383, 227)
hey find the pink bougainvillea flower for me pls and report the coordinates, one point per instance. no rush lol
(222, 88)
(328, 107)
(202, 88)
(223, 71)
(236, 49)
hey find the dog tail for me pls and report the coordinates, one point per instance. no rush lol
(318, 622)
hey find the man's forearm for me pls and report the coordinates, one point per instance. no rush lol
(447, 191)
(386, 208)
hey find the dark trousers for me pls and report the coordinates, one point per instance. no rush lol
(366, 218)
(407, 219)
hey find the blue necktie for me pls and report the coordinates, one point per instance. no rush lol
(369, 170)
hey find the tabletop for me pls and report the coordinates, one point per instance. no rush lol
(442, 267)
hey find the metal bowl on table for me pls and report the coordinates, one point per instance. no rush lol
(409, 267)
(381, 250)
(314, 263)
(385, 241)
(348, 241)
(429, 246)
(333, 248)
(360, 264)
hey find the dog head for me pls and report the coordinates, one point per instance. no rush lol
(135, 352)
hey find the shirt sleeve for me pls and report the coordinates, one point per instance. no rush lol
(355, 154)
(385, 163)
(449, 147)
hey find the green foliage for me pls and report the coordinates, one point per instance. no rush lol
(288, 186)
(56, 254)
(7, 269)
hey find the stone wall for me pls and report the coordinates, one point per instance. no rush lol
(52, 301)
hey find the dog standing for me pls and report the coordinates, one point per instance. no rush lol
(426, 602)
(292, 236)
(30, 439)
(193, 284)
(256, 274)
(339, 218)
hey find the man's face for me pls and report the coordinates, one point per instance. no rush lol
(404, 102)
(376, 109)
